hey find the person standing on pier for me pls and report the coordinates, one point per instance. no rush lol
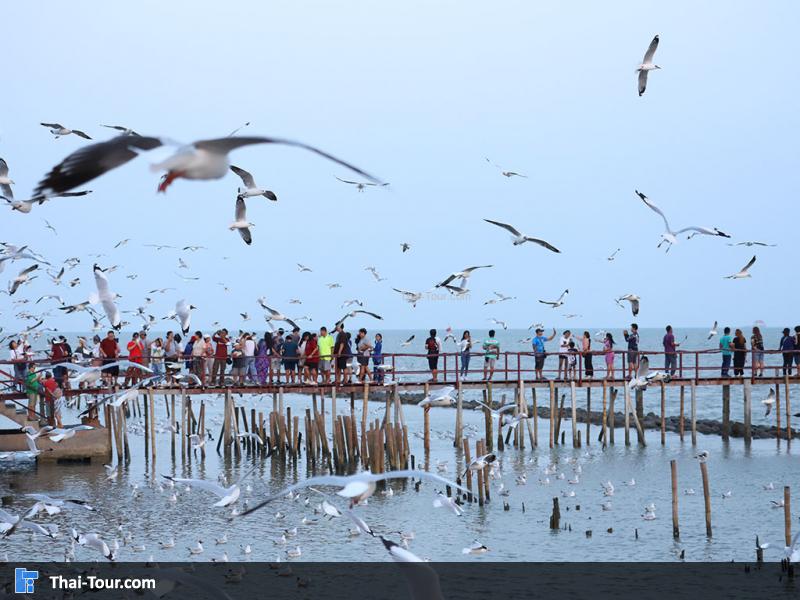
(343, 352)
(135, 356)
(633, 349)
(325, 344)
(586, 352)
(670, 352)
(464, 349)
(16, 353)
(757, 344)
(563, 348)
(220, 357)
(263, 353)
(199, 357)
(363, 352)
(491, 350)
(539, 350)
(377, 359)
(433, 346)
(608, 348)
(726, 345)
(249, 349)
(277, 358)
(311, 366)
(739, 353)
(291, 356)
(797, 348)
(787, 346)
(33, 385)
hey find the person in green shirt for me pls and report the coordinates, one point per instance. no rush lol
(726, 346)
(32, 385)
(491, 350)
(325, 346)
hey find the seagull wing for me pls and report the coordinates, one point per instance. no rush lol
(347, 181)
(93, 160)
(202, 484)
(749, 264)
(80, 133)
(542, 243)
(241, 210)
(247, 236)
(653, 207)
(642, 82)
(52, 125)
(225, 145)
(505, 226)
(644, 367)
(651, 50)
(371, 314)
(247, 178)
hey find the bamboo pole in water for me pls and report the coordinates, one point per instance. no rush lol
(535, 418)
(603, 423)
(788, 406)
(552, 413)
(146, 429)
(778, 413)
(201, 426)
(706, 496)
(479, 452)
(663, 414)
(574, 405)
(152, 401)
(588, 415)
(726, 412)
(172, 423)
(612, 415)
(748, 411)
(673, 465)
(787, 515)
(467, 460)
(459, 417)
(426, 423)
(693, 401)
(680, 418)
(627, 399)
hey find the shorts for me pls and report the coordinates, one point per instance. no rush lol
(290, 366)
(237, 371)
(313, 365)
(363, 361)
(325, 366)
(433, 361)
(633, 357)
(539, 360)
(341, 362)
(111, 371)
(758, 356)
(490, 362)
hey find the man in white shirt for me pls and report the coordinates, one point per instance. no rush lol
(563, 348)
(198, 357)
(249, 349)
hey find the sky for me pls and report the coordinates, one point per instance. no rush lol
(419, 94)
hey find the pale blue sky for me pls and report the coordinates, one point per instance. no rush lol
(419, 93)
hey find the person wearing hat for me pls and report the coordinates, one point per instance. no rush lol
(539, 351)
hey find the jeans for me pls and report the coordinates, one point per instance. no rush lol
(726, 365)
(587, 364)
(158, 367)
(670, 363)
(465, 356)
(787, 363)
(250, 368)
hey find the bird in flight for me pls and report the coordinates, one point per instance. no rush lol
(505, 172)
(58, 130)
(647, 65)
(744, 273)
(518, 238)
(556, 303)
(362, 185)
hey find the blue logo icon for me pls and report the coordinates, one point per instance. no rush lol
(23, 580)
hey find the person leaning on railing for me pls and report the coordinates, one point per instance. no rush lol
(787, 346)
(33, 385)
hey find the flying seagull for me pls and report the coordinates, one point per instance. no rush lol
(463, 275)
(744, 273)
(106, 298)
(58, 130)
(558, 302)
(750, 244)
(361, 185)
(227, 495)
(183, 313)
(405, 247)
(647, 65)
(21, 279)
(670, 237)
(519, 238)
(251, 189)
(713, 331)
(5, 180)
(504, 172)
(769, 401)
(303, 268)
(241, 223)
(411, 297)
(634, 300)
(121, 128)
(201, 160)
(613, 255)
(358, 312)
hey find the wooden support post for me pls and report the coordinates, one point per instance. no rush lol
(152, 401)
(787, 515)
(680, 418)
(183, 432)
(693, 408)
(627, 400)
(555, 518)
(172, 423)
(748, 411)
(778, 413)
(676, 530)
(552, 413)
(535, 417)
(146, 430)
(663, 414)
(487, 417)
(479, 451)
(364, 416)
(726, 413)
(107, 421)
(426, 427)
(604, 418)
(459, 417)
(612, 423)
(788, 403)
(640, 403)
(706, 496)
(588, 415)
(467, 460)
(226, 422)
(201, 429)
(574, 406)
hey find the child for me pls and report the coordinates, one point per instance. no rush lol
(572, 360)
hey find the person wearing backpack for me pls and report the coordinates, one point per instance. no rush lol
(432, 347)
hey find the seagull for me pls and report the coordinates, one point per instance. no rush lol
(647, 65)
(124, 130)
(241, 223)
(439, 397)
(769, 401)
(463, 275)
(333, 286)
(106, 298)
(361, 185)
(479, 462)
(475, 548)
(504, 172)
(670, 237)
(634, 300)
(58, 130)
(121, 243)
(375, 274)
(303, 268)
(356, 487)
(201, 160)
(499, 298)
(183, 313)
(405, 246)
(60, 502)
(227, 495)
(93, 541)
(499, 322)
(411, 297)
(408, 341)
(355, 301)
(641, 381)
(613, 255)
(702, 456)
(744, 273)
(58, 435)
(91, 375)
(251, 189)
(518, 238)
(5, 180)
(275, 315)
(442, 501)
(358, 312)
(750, 244)
(21, 279)
(402, 555)
(793, 551)
(558, 302)
(197, 549)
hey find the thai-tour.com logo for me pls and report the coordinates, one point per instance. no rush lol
(24, 580)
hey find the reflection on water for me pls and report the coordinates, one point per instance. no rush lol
(135, 502)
